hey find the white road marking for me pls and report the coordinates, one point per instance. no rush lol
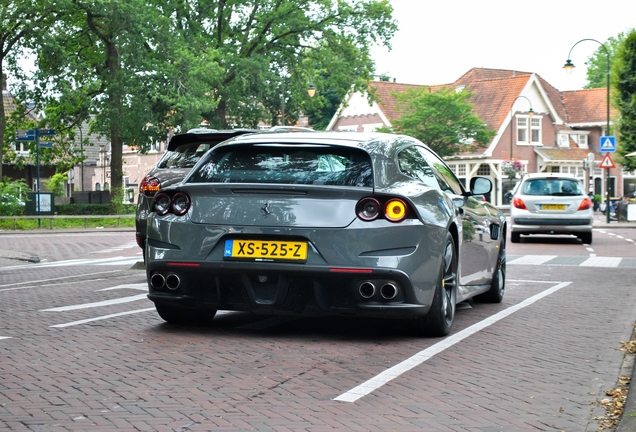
(105, 261)
(17, 285)
(84, 321)
(5, 337)
(601, 262)
(138, 286)
(419, 358)
(532, 259)
(97, 304)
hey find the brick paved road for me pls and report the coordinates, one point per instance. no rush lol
(542, 368)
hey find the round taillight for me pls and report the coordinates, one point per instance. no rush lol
(180, 203)
(162, 204)
(395, 210)
(149, 185)
(368, 209)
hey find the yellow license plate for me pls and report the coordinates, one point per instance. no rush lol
(260, 250)
(553, 207)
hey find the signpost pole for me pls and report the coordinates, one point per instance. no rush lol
(37, 162)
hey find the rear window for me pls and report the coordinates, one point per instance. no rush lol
(552, 186)
(281, 164)
(184, 156)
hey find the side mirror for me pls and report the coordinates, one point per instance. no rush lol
(480, 186)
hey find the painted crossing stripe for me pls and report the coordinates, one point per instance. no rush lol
(578, 261)
(97, 304)
(532, 259)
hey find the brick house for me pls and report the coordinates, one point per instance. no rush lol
(542, 128)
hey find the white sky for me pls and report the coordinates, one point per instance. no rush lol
(440, 40)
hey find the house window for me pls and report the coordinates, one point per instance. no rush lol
(484, 170)
(564, 140)
(528, 130)
(535, 130)
(582, 141)
(555, 169)
(522, 129)
(461, 170)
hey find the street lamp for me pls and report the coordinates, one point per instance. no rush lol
(311, 91)
(530, 114)
(568, 66)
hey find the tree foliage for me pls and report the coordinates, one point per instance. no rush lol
(20, 22)
(597, 63)
(625, 99)
(442, 119)
(138, 69)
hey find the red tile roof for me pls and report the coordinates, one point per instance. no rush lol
(587, 106)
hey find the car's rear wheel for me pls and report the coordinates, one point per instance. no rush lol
(498, 284)
(586, 237)
(515, 237)
(177, 315)
(439, 320)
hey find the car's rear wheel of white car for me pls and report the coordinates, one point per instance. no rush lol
(177, 315)
(515, 237)
(586, 237)
(439, 320)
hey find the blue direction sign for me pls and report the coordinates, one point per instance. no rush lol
(47, 144)
(25, 135)
(608, 144)
(46, 131)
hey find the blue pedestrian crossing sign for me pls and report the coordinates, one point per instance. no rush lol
(608, 144)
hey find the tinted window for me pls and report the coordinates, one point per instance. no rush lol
(286, 165)
(552, 186)
(445, 177)
(184, 156)
(412, 163)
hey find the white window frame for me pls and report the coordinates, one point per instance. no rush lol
(529, 126)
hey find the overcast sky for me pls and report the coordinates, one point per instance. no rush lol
(440, 40)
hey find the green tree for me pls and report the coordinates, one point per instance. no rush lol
(624, 79)
(20, 22)
(442, 119)
(138, 68)
(597, 63)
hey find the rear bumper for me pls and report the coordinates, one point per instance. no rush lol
(284, 290)
(550, 225)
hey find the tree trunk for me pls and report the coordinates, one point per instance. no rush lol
(2, 113)
(221, 114)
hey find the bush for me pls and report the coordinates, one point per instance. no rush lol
(12, 197)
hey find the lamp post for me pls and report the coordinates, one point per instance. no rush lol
(568, 68)
(311, 91)
(530, 114)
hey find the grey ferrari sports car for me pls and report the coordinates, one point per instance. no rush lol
(319, 224)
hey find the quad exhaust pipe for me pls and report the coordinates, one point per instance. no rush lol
(368, 289)
(159, 281)
(389, 291)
